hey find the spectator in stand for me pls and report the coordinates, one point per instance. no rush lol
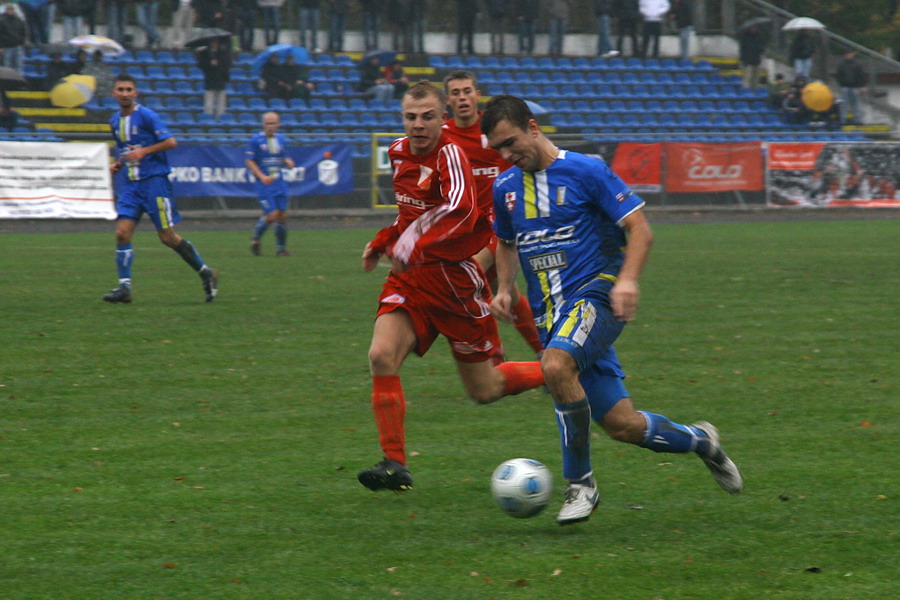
(102, 74)
(778, 90)
(308, 22)
(57, 68)
(420, 16)
(653, 13)
(400, 15)
(627, 14)
(527, 14)
(215, 62)
(801, 52)
(270, 76)
(294, 80)
(246, 21)
(751, 44)
(182, 23)
(337, 17)
(8, 115)
(683, 16)
(604, 44)
(147, 13)
(370, 22)
(795, 112)
(225, 16)
(396, 76)
(558, 11)
(38, 17)
(73, 13)
(206, 12)
(852, 77)
(13, 33)
(372, 83)
(271, 13)
(466, 15)
(81, 60)
(117, 19)
(496, 13)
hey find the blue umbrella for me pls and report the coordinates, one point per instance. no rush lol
(385, 57)
(536, 109)
(301, 56)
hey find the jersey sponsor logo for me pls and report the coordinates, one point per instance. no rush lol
(394, 299)
(505, 178)
(408, 200)
(425, 177)
(623, 196)
(561, 195)
(510, 201)
(545, 235)
(547, 262)
(486, 171)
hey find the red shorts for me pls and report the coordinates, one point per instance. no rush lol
(491, 273)
(445, 298)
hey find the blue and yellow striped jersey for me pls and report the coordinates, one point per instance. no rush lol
(565, 222)
(143, 128)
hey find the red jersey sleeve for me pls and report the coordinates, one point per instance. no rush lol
(451, 230)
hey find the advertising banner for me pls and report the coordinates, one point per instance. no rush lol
(52, 180)
(834, 174)
(639, 166)
(220, 171)
(699, 167)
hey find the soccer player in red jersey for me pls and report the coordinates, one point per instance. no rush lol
(433, 286)
(464, 128)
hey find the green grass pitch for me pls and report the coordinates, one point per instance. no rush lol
(172, 449)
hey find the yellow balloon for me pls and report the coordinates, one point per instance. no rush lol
(817, 96)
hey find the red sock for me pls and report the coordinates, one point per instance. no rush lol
(524, 323)
(521, 376)
(389, 407)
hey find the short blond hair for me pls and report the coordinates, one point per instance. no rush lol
(423, 89)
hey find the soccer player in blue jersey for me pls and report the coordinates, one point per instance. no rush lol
(265, 156)
(582, 240)
(141, 143)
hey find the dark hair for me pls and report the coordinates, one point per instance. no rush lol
(505, 108)
(460, 74)
(126, 77)
(421, 89)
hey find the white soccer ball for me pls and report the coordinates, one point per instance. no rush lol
(522, 487)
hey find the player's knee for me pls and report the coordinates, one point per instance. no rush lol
(556, 370)
(382, 360)
(484, 394)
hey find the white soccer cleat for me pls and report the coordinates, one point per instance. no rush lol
(723, 469)
(581, 500)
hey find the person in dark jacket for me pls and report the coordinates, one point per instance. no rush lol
(852, 77)
(371, 16)
(12, 37)
(246, 22)
(603, 10)
(683, 16)
(752, 44)
(496, 13)
(527, 14)
(801, 52)
(215, 62)
(337, 18)
(466, 14)
(627, 15)
(73, 15)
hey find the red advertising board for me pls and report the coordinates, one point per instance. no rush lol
(699, 167)
(639, 166)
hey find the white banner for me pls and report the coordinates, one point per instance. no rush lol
(55, 181)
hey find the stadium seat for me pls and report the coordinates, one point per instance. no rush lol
(437, 61)
(324, 59)
(144, 57)
(184, 87)
(279, 104)
(165, 57)
(175, 73)
(156, 72)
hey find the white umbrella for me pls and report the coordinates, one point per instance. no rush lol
(89, 43)
(802, 23)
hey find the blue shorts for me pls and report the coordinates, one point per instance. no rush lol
(587, 329)
(272, 197)
(603, 391)
(152, 196)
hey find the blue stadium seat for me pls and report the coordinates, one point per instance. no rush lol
(437, 61)
(344, 61)
(175, 73)
(277, 104)
(184, 87)
(324, 59)
(156, 72)
(165, 57)
(247, 118)
(184, 118)
(144, 57)
(257, 103)
(227, 119)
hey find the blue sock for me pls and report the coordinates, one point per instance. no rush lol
(280, 236)
(574, 421)
(190, 255)
(124, 258)
(260, 228)
(665, 436)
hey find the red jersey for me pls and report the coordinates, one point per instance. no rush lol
(438, 218)
(486, 162)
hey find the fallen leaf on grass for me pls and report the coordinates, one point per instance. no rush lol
(520, 583)
(170, 565)
(555, 572)
(865, 424)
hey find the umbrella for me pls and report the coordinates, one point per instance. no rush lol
(802, 23)
(89, 43)
(385, 57)
(72, 91)
(10, 79)
(817, 96)
(756, 21)
(206, 36)
(301, 56)
(536, 109)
